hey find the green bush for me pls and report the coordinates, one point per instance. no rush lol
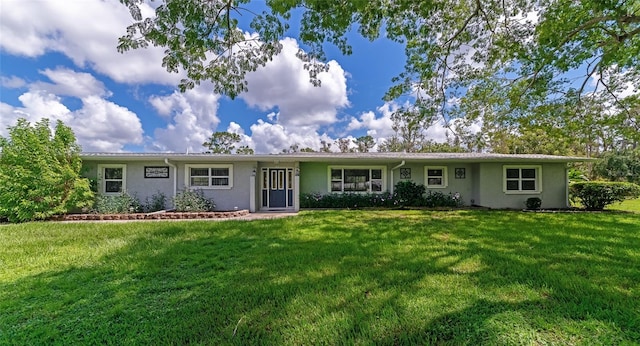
(409, 193)
(40, 172)
(533, 203)
(595, 195)
(124, 203)
(157, 202)
(376, 200)
(192, 201)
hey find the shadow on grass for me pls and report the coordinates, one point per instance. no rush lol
(347, 277)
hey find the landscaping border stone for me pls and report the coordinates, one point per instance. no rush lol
(153, 216)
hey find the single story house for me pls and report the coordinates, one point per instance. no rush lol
(275, 182)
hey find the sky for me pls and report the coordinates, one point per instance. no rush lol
(58, 60)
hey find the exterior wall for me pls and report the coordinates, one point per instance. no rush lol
(238, 196)
(136, 183)
(143, 188)
(476, 198)
(314, 177)
(553, 194)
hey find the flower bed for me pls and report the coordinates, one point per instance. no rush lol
(153, 216)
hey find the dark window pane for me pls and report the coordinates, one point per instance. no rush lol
(199, 172)
(434, 172)
(376, 186)
(356, 175)
(219, 172)
(113, 186)
(199, 181)
(529, 185)
(528, 173)
(513, 185)
(113, 173)
(513, 173)
(219, 181)
(376, 174)
(336, 186)
(434, 181)
(336, 174)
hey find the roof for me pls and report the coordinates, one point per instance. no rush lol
(333, 157)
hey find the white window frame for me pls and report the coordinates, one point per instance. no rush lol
(187, 176)
(383, 179)
(520, 191)
(445, 177)
(102, 182)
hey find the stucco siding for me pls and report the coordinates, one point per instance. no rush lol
(491, 189)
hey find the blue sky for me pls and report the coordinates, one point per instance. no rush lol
(60, 62)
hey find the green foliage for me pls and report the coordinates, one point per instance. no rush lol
(409, 193)
(192, 201)
(123, 203)
(40, 172)
(410, 196)
(623, 165)
(223, 143)
(157, 202)
(502, 62)
(595, 195)
(533, 203)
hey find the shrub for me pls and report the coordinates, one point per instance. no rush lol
(409, 193)
(192, 200)
(157, 202)
(40, 172)
(376, 200)
(124, 203)
(533, 203)
(595, 195)
(438, 200)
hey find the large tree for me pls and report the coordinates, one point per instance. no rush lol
(501, 62)
(40, 172)
(222, 143)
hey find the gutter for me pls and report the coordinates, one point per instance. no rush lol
(394, 168)
(175, 177)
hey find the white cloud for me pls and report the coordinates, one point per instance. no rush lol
(70, 83)
(12, 82)
(192, 119)
(284, 83)
(99, 125)
(87, 32)
(273, 138)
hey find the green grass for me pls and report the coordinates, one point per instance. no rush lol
(334, 277)
(631, 205)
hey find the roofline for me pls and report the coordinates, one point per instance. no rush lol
(332, 157)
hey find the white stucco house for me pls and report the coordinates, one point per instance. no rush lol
(275, 182)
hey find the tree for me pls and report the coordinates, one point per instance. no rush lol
(497, 57)
(623, 165)
(364, 143)
(343, 145)
(245, 150)
(221, 143)
(40, 172)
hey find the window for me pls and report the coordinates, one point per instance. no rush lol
(356, 179)
(435, 177)
(522, 179)
(112, 178)
(209, 176)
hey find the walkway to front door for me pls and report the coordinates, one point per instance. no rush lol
(277, 188)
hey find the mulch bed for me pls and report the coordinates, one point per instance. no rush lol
(153, 216)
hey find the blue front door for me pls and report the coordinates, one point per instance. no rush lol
(277, 188)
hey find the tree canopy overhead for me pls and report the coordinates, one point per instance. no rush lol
(508, 63)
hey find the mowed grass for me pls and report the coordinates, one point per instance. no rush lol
(326, 277)
(631, 205)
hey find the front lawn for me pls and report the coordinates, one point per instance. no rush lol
(632, 205)
(326, 277)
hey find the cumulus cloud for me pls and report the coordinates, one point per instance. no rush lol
(99, 125)
(87, 34)
(12, 82)
(284, 83)
(70, 83)
(271, 138)
(192, 119)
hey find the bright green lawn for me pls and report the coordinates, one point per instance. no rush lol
(632, 205)
(334, 277)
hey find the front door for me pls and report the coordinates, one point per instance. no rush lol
(277, 188)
